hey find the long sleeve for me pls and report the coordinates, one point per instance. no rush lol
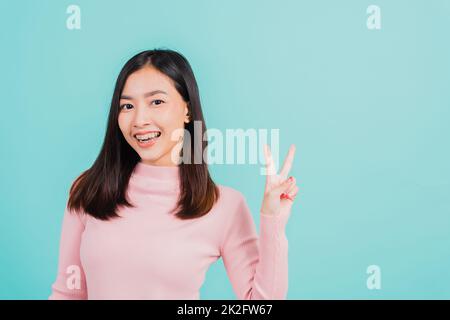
(70, 282)
(256, 267)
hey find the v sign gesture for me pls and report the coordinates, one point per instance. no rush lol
(280, 191)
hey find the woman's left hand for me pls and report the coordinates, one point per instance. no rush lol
(280, 191)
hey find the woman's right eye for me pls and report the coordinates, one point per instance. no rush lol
(122, 107)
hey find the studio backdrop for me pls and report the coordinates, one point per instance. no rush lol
(362, 88)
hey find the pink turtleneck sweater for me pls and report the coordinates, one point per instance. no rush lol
(150, 254)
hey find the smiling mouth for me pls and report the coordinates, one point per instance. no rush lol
(147, 137)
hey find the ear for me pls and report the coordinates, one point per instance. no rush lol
(187, 113)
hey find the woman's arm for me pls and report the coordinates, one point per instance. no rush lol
(257, 267)
(70, 282)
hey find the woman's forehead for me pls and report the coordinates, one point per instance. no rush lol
(147, 80)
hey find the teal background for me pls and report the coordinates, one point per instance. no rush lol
(367, 109)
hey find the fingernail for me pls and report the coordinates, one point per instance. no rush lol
(283, 196)
(290, 179)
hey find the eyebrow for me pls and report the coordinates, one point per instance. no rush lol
(147, 94)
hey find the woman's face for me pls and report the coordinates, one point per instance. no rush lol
(150, 105)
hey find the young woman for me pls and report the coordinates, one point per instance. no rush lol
(146, 221)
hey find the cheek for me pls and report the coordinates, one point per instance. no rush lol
(171, 122)
(123, 125)
(174, 132)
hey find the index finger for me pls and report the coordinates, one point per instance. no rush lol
(287, 164)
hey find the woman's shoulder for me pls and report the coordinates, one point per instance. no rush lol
(229, 194)
(232, 206)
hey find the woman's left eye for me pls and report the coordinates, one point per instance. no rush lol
(157, 102)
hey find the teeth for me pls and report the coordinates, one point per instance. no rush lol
(148, 136)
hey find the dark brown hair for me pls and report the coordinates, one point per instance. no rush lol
(99, 190)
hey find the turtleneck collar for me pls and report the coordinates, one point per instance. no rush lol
(154, 179)
(163, 173)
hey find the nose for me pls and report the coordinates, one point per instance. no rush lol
(142, 116)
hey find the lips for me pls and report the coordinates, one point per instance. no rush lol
(146, 135)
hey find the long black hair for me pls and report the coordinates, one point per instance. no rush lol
(99, 190)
